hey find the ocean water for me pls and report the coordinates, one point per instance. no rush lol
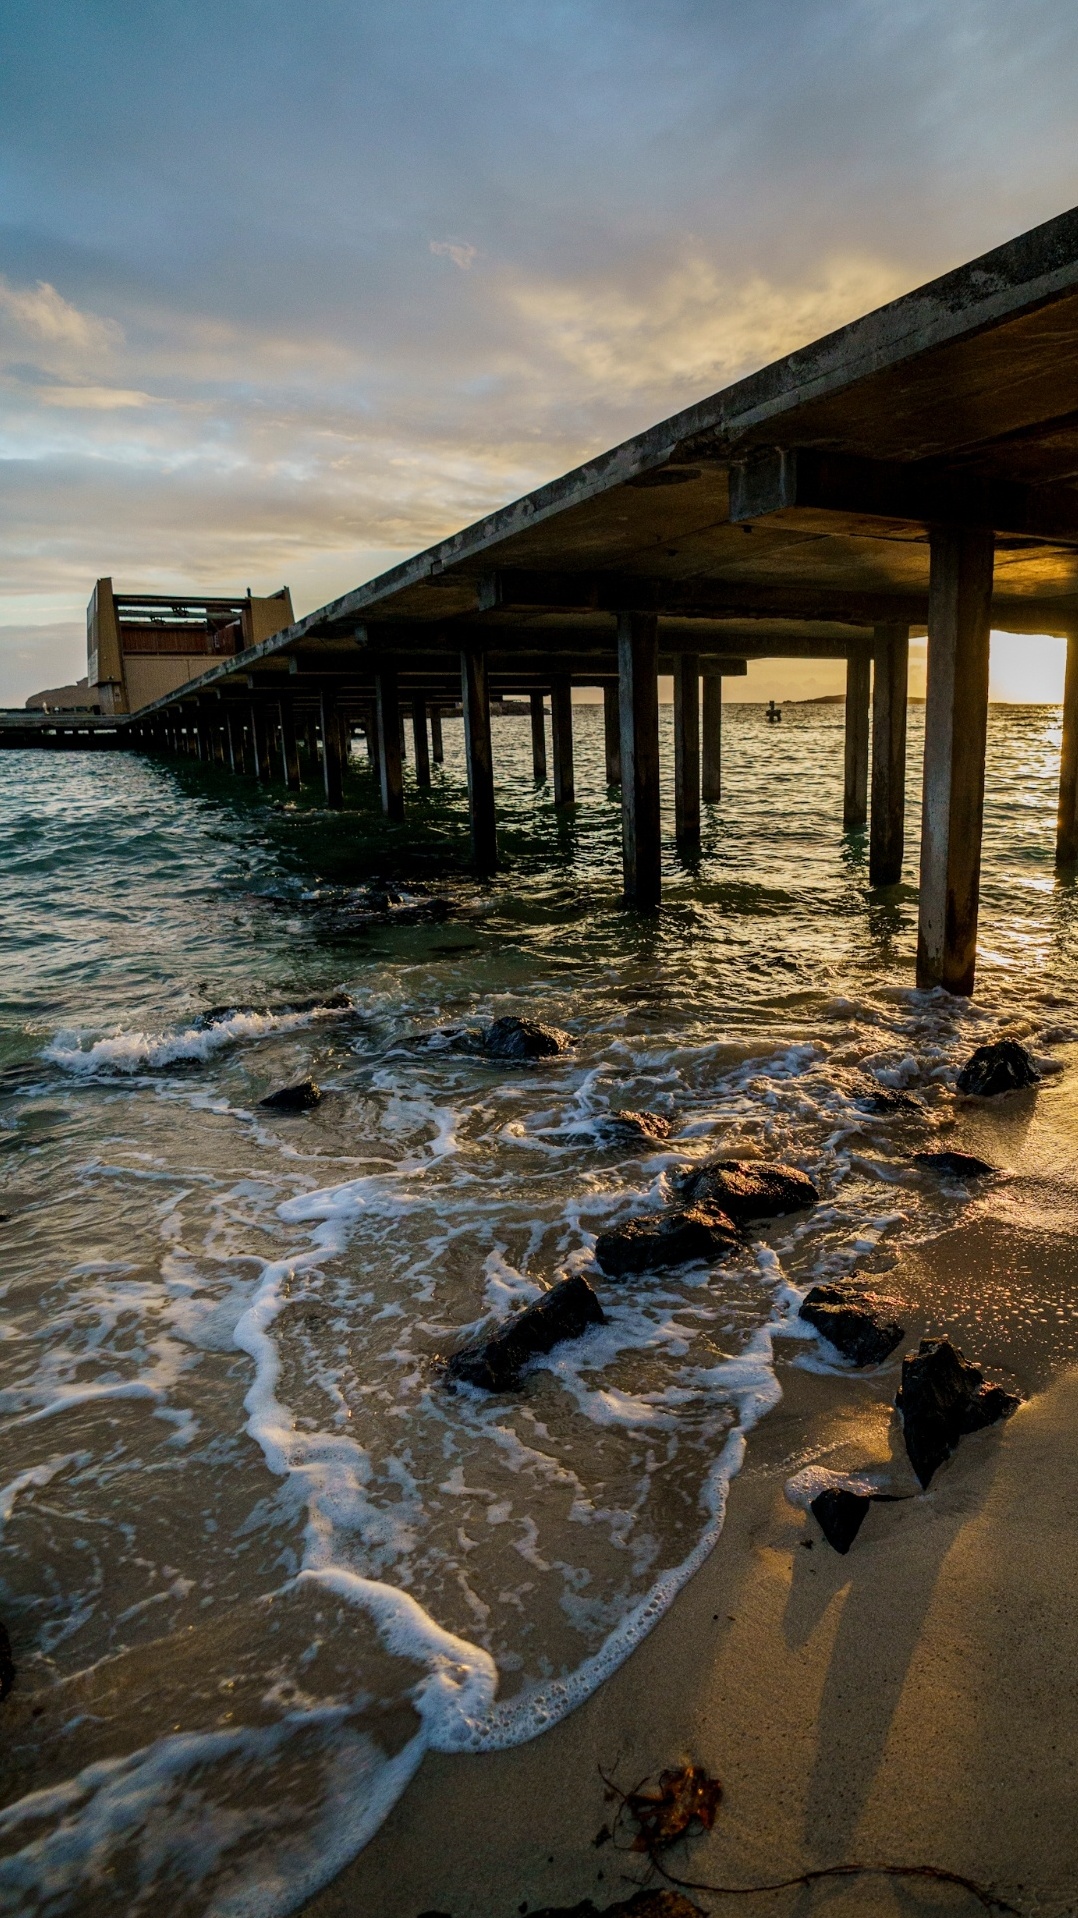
(255, 1558)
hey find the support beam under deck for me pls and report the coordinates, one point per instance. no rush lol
(480, 757)
(855, 784)
(561, 740)
(1067, 819)
(711, 760)
(419, 742)
(538, 720)
(890, 673)
(612, 733)
(956, 726)
(638, 679)
(389, 744)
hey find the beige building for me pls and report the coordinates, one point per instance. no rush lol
(140, 646)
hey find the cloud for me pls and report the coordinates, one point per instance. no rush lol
(461, 256)
(98, 399)
(41, 313)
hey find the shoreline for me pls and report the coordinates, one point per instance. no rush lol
(915, 1702)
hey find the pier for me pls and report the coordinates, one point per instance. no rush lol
(914, 471)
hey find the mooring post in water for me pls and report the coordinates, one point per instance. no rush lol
(687, 754)
(290, 747)
(1067, 820)
(561, 739)
(437, 748)
(855, 788)
(538, 715)
(389, 743)
(711, 756)
(419, 741)
(890, 673)
(332, 764)
(956, 729)
(480, 757)
(638, 682)
(612, 732)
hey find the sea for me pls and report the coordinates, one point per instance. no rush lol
(256, 1556)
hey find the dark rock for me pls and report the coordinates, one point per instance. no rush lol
(942, 1398)
(1003, 1067)
(859, 1324)
(884, 1102)
(643, 1904)
(512, 1038)
(565, 1312)
(746, 1189)
(673, 1238)
(954, 1165)
(840, 1516)
(7, 1663)
(298, 1098)
(645, 1128)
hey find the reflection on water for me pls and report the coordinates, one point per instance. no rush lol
(255, 1558)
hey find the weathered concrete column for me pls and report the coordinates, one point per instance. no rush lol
(711, 758)
(638, 679)
(687, 754)
(290, 747)
(390, 765)
(437, 747)
(612, 734)
(890, 673)
(332, 763)
(855, 790)
(258, 744)
(419, 741)
(561, 740)
(538, 713)
(480, 757)
(230, 741)
(956, 726)
(1067, 819)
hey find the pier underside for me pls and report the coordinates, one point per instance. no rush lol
(917, 469)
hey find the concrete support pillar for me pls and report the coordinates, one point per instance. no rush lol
(290, 747)
(612, 734)
(230, 742)
(890, 673)
(855, 788)
(437, 748)
(956, 726)
(638, 678)
(259, 747)
(711, 756)
(218, 734)
(389, 744)
(1067, 819)
(419, 741)
(538, 711)
(480, 758)
(332, 763)
(561, 740)
(687, 754)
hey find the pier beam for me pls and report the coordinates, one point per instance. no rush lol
(332, 761)
(437, 747)
(390, 767)
(480, 758)
(561, 740)
(855, 789)
(258, 744)
(538, 713)
(711, 754)
(638, 681)
(612, 733)
(890, 673)
(687, 754)
(230, 742)
(956, 727)
(290, 747)
(419, 742)
(1067, 818)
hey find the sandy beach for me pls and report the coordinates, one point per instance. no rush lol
(915, 1702)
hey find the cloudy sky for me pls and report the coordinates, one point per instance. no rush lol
(291, 288)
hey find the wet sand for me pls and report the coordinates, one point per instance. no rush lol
(915, 1702)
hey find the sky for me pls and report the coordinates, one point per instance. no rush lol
(289, 291)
